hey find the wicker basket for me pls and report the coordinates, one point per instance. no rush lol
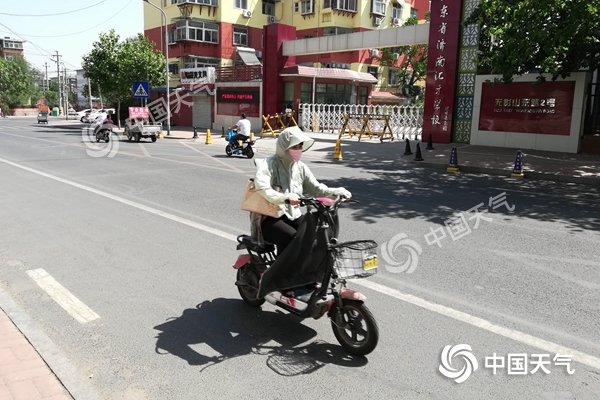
(356, 259)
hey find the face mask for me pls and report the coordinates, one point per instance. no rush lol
(295, 154)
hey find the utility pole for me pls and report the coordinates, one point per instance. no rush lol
(90, 93)
(46, 86)
(58, 78)
(66, 91)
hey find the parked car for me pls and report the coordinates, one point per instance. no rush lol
(80, 114)
(72, 112)
(89, 117)
(42, 117)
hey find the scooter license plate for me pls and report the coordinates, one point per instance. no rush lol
(370, 263)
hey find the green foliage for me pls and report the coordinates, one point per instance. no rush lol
(113, 66)
(533, 36)
(413, 66)
(17, 79)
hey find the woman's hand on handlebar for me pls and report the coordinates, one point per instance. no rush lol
(292, 199)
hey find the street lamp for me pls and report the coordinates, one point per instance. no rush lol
(167, 59)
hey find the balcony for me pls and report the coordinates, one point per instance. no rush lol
(240, 73)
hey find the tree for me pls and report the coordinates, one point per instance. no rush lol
(413, 65)
(114, 66)
(546, 37)
(17, 82)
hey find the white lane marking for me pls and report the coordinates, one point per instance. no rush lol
(129, 203)
(146, 154)
(524, 338)
(212, 158)
(583, 358)
(62, 296)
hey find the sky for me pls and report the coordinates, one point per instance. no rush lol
(67, 26)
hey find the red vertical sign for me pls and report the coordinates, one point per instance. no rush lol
(442, 65)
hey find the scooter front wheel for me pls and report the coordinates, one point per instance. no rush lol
(354, 327)
(228, 150)
(249, 290)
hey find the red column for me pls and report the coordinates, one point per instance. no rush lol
(273, 62)
(442, 70)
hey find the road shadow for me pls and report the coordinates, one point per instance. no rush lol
(220, 329)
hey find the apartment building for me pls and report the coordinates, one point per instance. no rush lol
(225, 33)
(9, 47)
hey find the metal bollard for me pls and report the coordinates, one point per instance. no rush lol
(222, 131)
(195, 133)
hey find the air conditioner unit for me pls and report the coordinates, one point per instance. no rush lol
(246, 13)
(374, 53)
(396, 21)
(396, 56)
(272, 19)
(377, 21)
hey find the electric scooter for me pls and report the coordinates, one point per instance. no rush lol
(233, 147)
(309, 279)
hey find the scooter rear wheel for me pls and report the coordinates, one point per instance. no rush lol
(249, 152)
(248, 292)
(354, 327)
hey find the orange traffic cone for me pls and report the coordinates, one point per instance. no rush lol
(337, 153)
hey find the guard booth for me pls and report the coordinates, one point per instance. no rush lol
(367, 125)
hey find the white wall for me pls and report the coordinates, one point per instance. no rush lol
(532, 141)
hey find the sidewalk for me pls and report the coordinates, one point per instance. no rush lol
(23, 372)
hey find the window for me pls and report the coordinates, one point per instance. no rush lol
(363, 95)
(332, 93)
(333, 30)
(306, 92)
(373, 70)
(414, 12)
(12, 45)
(200, 62)
(393, 77)
(288, 94)
(296, 7)
(345, 5)
(195, 30)
(306, 7)
(327, 3)
(240, 36)
(243, 4)
(336, 65)
(378, 7)
(396, 11)
(268, 7)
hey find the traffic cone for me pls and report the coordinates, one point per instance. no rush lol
(407, 151)
(208, 137)
(337, 153)
(418, 156)
(518, 169)
(453, 164)
(429, 143)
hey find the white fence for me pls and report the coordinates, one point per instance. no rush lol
(406, 121)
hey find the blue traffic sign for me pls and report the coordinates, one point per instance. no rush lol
(140, 90)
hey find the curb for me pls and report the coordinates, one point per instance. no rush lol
(557, 177)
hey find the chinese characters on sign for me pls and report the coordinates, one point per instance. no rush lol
(238, 96)
(458, 225)
(441, 69)
(138, 112)
(526, 107)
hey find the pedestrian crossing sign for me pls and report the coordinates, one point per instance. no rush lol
(140, 90)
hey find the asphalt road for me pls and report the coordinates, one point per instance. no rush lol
(142, 237)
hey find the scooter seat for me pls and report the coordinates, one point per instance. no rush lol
(247, 242)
